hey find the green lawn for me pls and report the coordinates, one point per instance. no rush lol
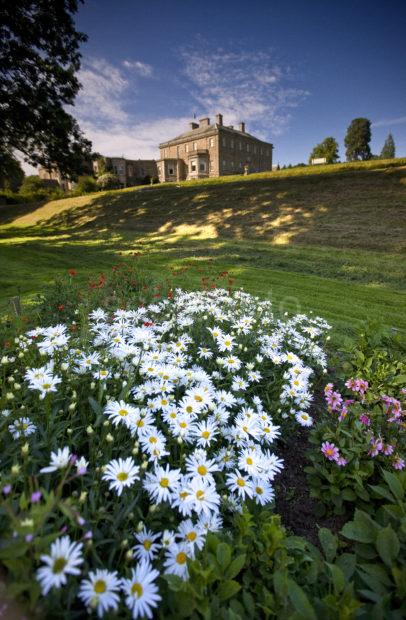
(329, 240)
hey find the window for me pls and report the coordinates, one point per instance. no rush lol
(193, 166)
(202, 166)
(224, 163)
(187, 148)
(255, 149)
(195, 146)
(248, 148)
(224, 143)
(211, 142)
(211, 166)
(171, 170)
(262, 151)
(240, 145)
(232, 143)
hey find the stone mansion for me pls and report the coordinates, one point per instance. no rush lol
(212, 150)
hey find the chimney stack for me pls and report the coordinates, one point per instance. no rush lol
(219, 119)
(241, 127)
(194, 125)
(204, 122)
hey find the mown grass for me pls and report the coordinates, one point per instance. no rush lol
(329, 239)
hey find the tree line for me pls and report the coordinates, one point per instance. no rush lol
(357, 145)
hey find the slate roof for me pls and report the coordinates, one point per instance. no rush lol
(207, 130)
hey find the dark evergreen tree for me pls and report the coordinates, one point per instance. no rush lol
(39, 59)
(389, 149)
(357, 140)
(328, 149)
(11, 173)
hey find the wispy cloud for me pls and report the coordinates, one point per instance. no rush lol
(243, 85)
(388, 122)
(141, 68)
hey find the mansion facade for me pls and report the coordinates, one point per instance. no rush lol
(212, 150)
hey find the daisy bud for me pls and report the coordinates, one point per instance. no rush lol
(83, 497)
(89, 430)
(15, 470)
(11, 379)
(42, 353)
(109, 438)
(20, 355)
(124, 383)
(153, 508)
(116, 375)
(140, 526)
(106, 423)
(144, 465)
(64, 366)
(124, 543)
(17, 386)
(106, 360)
(25, 449)
(129, 555)
(4, 359)
(9, 396)
(92, 385)
(72, 407)
(69, 431)
(134, 451)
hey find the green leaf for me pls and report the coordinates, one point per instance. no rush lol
(223, 554)
(348, 495)
(235, 567)
(174, 582)
(387, 544)
(95, 405)
(338, 578)
(347, 563)
(329, 543)
(300, 601)
(382, 492)
(227, 589)
(399, 380)
(394, 484)
(362, 529)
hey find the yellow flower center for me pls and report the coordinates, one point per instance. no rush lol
(147, 544)
(46, 386)
(164, 402)
(136, 589)
(164, 482)
(181, 558)
(202, 470)
(183, 425)
(122, 476)
(259, 490)
(140, 423)
(59, 565)
(152, 439)
(249, 460)
(198, 398)
(191, 536)
(183, 494)
(200, 495)
(189, 409)
(99, 586)
(205, 434)
(123, 412)
(241, 482)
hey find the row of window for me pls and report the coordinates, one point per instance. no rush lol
(225, 143)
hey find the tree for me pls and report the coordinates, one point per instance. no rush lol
(328, 149)
(357, 140)
(11, 173)
(103, 165)
(86, 184)
(389, 149)
(39, 59)
(108, 181)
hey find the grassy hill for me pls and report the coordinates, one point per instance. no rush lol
(330, 239)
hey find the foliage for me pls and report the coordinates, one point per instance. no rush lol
(357, 140)
(388, 149)
(11, 173)
(378, 536)
(104, 165)
(86, 185)
(34, 188)
(39, 59)
(109, 180)
(328, 149)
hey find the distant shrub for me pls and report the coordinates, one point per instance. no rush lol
(86, 185)
(108, 181)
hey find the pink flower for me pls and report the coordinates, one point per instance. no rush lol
(341, 461)
(330, 451)
(334, 400)
(364, 419)
(388, 449)
(328, 389)
(377, 446)
(357, 385)
(398, 463)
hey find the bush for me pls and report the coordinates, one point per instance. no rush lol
(108, 181)
(86, 185)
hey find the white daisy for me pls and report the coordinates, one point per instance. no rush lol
(147, 547)
(22, 427)
(161, 483)
(240, 484)
(59, 460)
(121, 473)
(100, 591)
(141, 593)
(64, 558)
(176, 560)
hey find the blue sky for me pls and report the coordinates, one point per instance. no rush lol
(296, 72)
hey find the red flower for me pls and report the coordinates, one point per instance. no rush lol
(61, 307)
(72, 272)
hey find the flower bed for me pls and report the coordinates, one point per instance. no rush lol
(125, 442)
